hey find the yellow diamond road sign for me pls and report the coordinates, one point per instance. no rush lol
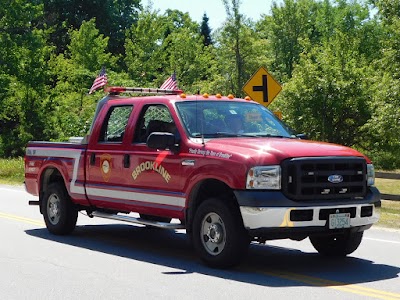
(262, 87)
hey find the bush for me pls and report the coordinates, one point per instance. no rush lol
(384, 160)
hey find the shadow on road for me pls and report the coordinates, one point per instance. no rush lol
(264, 265)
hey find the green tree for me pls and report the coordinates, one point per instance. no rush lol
(73, 74)
(290, 23)
(327, 96)
(389, 10)
(189, 58)
(159, 45)
(144, 47)
(323, 51)
(112, 17)
(205, 31)
(23, 76)
(295, 24)
(88, 48)
(232, 32)
(176, 20)
(383, 143)
(233, 73)
(239, 50)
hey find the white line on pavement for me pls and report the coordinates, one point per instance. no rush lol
(380, 240)
(13, 190)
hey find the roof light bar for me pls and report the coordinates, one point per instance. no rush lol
(120, 89)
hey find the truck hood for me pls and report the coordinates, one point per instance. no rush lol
(274, 150)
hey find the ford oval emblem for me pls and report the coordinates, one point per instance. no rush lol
(335, 178)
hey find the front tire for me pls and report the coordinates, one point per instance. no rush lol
(60, 214)
(218, 234)
(337, 245)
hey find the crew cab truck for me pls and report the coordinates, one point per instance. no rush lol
(151, 158)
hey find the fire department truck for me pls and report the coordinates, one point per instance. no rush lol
(224, 169)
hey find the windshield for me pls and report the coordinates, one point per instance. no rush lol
(214, 119)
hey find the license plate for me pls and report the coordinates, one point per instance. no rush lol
(337, 221)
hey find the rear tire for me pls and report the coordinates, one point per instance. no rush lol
(337, 245)
(60, 214)
(218, 234)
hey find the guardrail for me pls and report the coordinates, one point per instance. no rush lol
(394, 176)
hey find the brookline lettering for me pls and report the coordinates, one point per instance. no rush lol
(151, 166)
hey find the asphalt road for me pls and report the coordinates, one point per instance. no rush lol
(103, 259)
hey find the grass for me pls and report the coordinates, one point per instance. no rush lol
(388, 186)
(389, 214)
(390, 210)
(12, 172)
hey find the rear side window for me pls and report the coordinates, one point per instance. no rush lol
(114, 125)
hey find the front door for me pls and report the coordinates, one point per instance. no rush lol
(156, 174)
(106, 160)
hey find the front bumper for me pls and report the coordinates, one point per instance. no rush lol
(272, 210)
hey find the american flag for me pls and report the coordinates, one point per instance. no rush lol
(170, 83)
(101, 80)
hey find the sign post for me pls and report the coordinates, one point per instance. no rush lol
(262, 87)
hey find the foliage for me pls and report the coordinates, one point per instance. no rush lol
(23, 76)
(112, 19)
(68, 100)
(231, 39)
(338, 63)
(328, 97)
(205, 31)
(144, 50)
(88, 48)
(288, 25)
(383, 127)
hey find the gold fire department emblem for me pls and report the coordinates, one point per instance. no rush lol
(105, 166)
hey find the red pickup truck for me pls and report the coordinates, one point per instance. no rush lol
(226, 168)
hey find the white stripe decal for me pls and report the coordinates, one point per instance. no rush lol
(114, 194)
(73, 153)
(148, 198)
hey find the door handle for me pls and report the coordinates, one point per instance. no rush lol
(127, 161)
(92, 159)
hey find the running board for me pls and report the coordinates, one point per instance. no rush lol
(137, 220)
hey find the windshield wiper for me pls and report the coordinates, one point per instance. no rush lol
(228, 134)
(232, 134)
(275, 136)
(223, 134)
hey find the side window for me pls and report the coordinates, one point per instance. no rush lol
(154, 118)
(114, 125)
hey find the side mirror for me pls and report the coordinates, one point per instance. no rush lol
(162, 141)
(302, 136)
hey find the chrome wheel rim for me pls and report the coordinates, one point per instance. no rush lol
(53, 209)
(212, 234)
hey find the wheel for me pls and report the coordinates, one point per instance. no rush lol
(218, 234)
(59, 212)
(155, 218)
(337, 245)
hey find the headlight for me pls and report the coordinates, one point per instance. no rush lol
(370, 175)
(264, 177)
